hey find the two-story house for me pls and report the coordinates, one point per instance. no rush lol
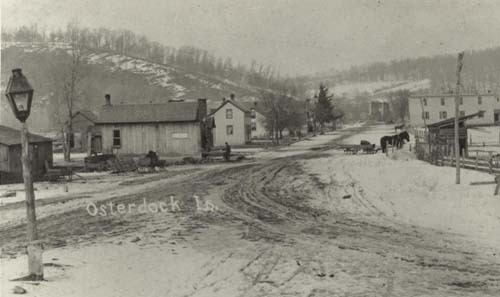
(429, 109)
(233, 123)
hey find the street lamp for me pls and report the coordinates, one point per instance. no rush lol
(20, 95)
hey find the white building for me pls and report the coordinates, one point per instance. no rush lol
(232, 124)
(428, 109)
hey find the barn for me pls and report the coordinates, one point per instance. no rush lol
(169, 129)
(10, 155)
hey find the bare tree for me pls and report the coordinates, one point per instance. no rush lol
(71, 79)
(282, 112)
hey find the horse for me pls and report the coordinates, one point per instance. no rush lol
(394, 140)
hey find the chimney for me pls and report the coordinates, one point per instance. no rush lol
(202, 108)
(224, 99)
(232, 97)
(108, 100)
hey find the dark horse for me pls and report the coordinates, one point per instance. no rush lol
(394, 140)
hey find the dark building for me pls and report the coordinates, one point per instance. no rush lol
(11, 168)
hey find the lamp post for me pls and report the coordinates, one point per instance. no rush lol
(20, 95)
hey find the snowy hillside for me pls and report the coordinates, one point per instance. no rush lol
(178, 83)
(380, 87)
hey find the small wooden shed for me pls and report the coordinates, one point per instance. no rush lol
(443, 133)
(10, 155)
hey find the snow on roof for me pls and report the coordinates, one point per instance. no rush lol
(149, 113)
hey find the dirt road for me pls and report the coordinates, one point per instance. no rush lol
(267, 238)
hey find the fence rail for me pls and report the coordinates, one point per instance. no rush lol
(444, 155)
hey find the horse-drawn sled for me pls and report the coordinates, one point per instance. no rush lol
(354, 149)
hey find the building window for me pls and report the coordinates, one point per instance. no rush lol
(253, 113)
(254, 127)
(479, 100)
(481, 114)
(461, 100)
(229, 113)
(425, 115)
(443, 115)
(425, 101)
(229, 130)
(498, 99)
(442, 101)
(117, 139)
(462, 113)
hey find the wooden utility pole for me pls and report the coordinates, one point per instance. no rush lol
(457, 114)
(35, 263)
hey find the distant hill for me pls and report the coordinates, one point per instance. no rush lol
(128, 79)
(436, 74)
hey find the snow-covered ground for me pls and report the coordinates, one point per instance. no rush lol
(168, 256)
(124, 270)
(401, 188)
(58, 158)
(299, 147)
(372, 135)
(89, 187)
(487, 136)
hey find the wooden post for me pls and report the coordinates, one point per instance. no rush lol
(477, 159)
(35, 264)
(490, 162)
(457, 113)
(89, 144)
(497, 188)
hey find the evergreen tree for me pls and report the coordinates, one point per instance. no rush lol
(323, 110)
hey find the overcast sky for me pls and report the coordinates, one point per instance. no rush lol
(296, 36)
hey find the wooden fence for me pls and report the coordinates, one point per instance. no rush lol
(444, 155)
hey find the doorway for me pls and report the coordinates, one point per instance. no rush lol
(496, 116)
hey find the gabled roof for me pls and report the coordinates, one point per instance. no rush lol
(245, 106)
(10, 136)
(87, 114)
(149, 113)
(237, 105)
(451, 121)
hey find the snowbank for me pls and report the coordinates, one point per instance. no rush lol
(411, 191)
